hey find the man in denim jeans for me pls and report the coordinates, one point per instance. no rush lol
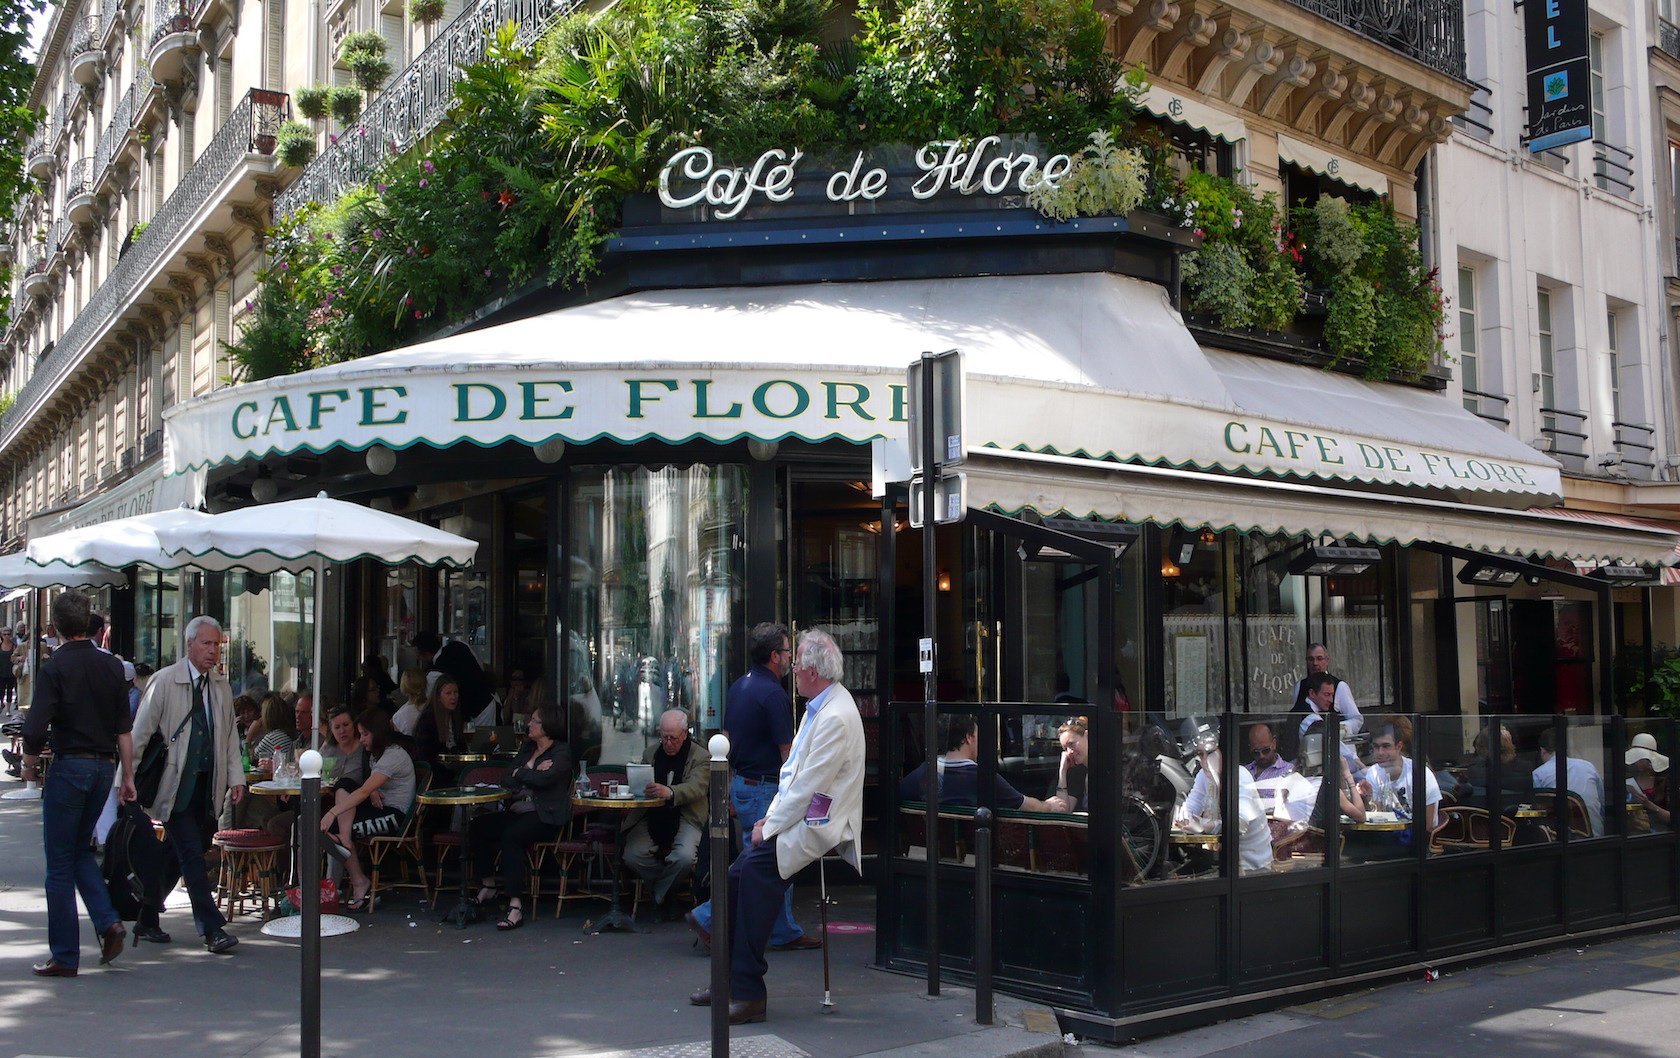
(758, 717)
(81, 707)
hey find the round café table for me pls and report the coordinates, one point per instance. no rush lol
(291, 927)
(1184, 837)
(462, 797)
(464, 758)
(1371, 826)
(615, 920)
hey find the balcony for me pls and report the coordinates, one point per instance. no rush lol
(112, 16)
(1668, 38)
(414, 100)
(173, 39)
(151, 444)
(87, 57)
(244, 140)
(1613, 168)
(1377, 80)
(37, 279)
(1429, 31)
(78, 191)
(1492, 407)
(1636, 452)
(1478, 120)
(38, 158)
(1563, 434)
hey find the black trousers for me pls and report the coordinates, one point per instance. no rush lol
(756, 892)
(189, 832)
(509, 833)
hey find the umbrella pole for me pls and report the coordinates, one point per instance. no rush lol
(320, 569)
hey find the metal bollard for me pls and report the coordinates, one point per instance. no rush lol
(718, 821)
(309, 887)
(983, 916)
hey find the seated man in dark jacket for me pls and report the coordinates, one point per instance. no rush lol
(959, 774)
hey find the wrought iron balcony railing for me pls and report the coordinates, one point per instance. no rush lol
(1636, 447)
(151, 444)
(170, 16)
(1668, 37)
(80, 179)
(250, 129)
(1478, 120)
(1429, 31)
(415, 100)
(1613, 168)
(37, 146)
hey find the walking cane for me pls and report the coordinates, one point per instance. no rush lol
(822, 877)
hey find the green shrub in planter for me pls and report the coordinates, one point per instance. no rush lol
(312, 101)
(295, 144)
(367, 41)
(345, 103)
(370, 70)
(425, 12)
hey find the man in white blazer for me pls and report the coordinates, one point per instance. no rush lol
(818, 808)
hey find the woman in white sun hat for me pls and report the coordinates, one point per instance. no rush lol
(1648, 779)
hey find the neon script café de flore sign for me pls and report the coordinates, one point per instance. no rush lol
(693, 176)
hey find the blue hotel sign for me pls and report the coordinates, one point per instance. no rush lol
(1559, 73)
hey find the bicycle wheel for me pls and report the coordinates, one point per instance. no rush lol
(1142, 834)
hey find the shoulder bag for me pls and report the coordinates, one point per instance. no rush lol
(149, 774)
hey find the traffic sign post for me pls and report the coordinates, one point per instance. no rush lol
(938, 440)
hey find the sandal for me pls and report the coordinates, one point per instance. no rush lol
(357, 904)
(486, 895)
(513, 919)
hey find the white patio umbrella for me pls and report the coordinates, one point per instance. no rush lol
(116, 543)
(309, 534)
(17, 572)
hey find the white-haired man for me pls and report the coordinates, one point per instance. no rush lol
(190, 704)
(818, 807)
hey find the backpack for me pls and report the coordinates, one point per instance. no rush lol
(136, 863)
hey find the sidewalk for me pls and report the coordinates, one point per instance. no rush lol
(404, 985)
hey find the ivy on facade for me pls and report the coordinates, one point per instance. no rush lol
(526, 177)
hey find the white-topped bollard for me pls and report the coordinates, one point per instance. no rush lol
(718, 825)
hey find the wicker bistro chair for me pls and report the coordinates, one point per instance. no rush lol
(583, 842)
(250, 868)
(405, 843)
(443, 842)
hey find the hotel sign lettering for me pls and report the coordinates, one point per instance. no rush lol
(1559, 73)
(1304, 451)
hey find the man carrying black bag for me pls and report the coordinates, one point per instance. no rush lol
(140, 870)
(81, 706)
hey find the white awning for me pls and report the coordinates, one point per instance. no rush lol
(1090, 364)
(1336, 167)
(1174, 106)
(1012, 482)
(143, 493)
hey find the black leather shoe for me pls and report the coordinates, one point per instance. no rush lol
(111, 943)
(150, 934)
(219, 941)
(748, 1011)
(53, 968)
(702, 998)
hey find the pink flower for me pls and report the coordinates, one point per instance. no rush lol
(380, 188)
(428, 166)
(487, 273)
(422, 181)
(418, 314)
(378, 233)
(333, 138)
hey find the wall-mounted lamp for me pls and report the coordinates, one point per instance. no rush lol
(1322, 560)
(1621, 574)
(1169, 568)
(763, 451)
(380, 460)
(263, 490)
(551, 451)
(944, 580)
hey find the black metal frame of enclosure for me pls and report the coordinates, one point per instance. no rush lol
(1118, 961)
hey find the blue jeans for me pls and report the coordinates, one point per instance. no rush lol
(71, 801)
(751, 803)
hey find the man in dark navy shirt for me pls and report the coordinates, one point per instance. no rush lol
(81, 708)
(959, 776)
(758, 718)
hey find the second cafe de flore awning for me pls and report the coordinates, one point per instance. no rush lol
(1090, 365)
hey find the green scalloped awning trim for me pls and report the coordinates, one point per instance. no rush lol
(233, 559)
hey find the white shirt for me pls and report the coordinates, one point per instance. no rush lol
(1254, 835)
(1377, 774)
(1352, 721)
(1583, 779)
(406, 718)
